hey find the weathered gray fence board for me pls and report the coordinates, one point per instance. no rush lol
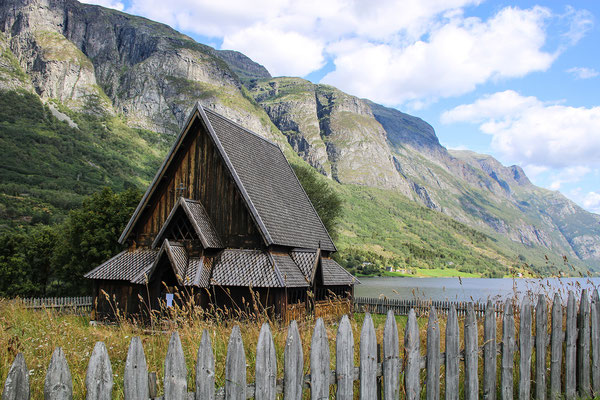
(433, 357)
(175, 381)
(571, 347)
(319, 363)
(525, 349)
(391, 359)
(99, 377)
(556, 348)
(344, 360)
(541, 342)
(452, 355)
(368, 360)
(595, 342)
(293, 365)
(16, 386)
(472, 354)
(412, 358)
(583, 347)
(489, 353)
(508, 351)
(205, 369)
(235, 367)
(265, 373)
(58, 384)
(135, 379)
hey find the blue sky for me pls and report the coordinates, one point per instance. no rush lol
(515, 79)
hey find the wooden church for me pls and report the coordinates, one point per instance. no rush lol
(224, 220)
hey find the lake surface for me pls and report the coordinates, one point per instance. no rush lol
(469, 289)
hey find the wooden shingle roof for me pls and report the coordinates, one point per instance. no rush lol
(275, 198)
(125, 266)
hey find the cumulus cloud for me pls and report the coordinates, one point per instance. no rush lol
(591, 201)
(568, 175)
(532, 132)
(456, 57)
(117, 5)
(583, 72)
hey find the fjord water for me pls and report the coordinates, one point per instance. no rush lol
(469, 289)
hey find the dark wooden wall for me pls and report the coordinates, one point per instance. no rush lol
(200, 170)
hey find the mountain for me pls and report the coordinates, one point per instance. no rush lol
(104, 93)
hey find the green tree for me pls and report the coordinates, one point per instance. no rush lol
(90, 235)
(325, 200)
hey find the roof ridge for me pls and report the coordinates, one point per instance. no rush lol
(240, 126)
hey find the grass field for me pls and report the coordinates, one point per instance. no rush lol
(435, 273)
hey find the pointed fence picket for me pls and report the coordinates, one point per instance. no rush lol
(575, 377)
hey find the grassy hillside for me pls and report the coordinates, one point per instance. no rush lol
(48, 166)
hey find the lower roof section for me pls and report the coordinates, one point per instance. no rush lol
(229, 267)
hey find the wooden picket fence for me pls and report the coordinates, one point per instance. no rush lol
(73, 303)
(383, 374)
(421, 307)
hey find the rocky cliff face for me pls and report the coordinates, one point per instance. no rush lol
(97, 60)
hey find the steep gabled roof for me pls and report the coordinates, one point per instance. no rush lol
(199, 220)
(178, 259)
(276, 200)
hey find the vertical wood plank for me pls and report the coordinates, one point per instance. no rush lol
(99, 376)
(58, 384)
(412, 358)
(265, 375)
(508, 351)
(541, 341)
(368, 360)
(595, 343)
(320, 369)
(205, 369)
(471, 354)
(571, 347)
(433, 356)
(152, 385)
(293, 364)
(452, 355)
(489, 353)
(525, 348)
(583, 346)
(135, 379)
(175, 370)
(16, 386)
(235, 367)
(391, 359)
(344, 360)
(556, 348)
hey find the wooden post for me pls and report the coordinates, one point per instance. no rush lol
(391, 359)
(368, 360)
(433, 356)
(235, 367)
(205, 369)
(472, 354)
(58, 384)
(595, 342)
(412, 358)
(344, 360)
(319, 363)
(489, 353)
(175, 370)
(135, 379)
(541, 341)
(556, 348)
(571, 348)
(16, 386)
(583, 348)
(526, 346)
(99, 377)
(508, 351)
(452, 355)
(265, 375)
(293, 364)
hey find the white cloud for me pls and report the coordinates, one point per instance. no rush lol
(117, 5)
(531, 132)
(591, 202)
(457, 56)
(583, 72)
(569, 175)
